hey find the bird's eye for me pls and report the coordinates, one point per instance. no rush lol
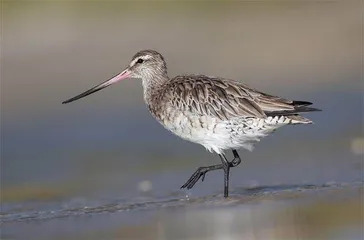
(140, 60)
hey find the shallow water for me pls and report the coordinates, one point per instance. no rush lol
(270, 211)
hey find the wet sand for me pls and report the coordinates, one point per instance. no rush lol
(332, 211)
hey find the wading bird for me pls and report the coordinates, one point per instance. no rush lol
(220, 114)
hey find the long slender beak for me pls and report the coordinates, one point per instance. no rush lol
(124, 74)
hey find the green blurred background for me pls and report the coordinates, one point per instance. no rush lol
(108, 149)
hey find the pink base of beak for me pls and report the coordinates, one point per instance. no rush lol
(124, 74)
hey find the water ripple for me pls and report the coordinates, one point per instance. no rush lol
(239, 195)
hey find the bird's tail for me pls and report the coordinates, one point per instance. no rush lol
(298, 119)
(298, 107)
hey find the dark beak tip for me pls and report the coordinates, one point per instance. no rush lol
(95, 89)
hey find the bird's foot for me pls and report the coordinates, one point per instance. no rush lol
(236, 161)
(200, 172)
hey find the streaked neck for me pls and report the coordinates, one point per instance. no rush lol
(152, 82)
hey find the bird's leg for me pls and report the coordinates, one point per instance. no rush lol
(226, 166)
(201, 171)
(236, 161)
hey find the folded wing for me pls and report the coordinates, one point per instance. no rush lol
(226, 99)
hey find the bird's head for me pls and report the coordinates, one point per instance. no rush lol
(146, 65)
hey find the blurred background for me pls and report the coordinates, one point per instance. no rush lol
(105, 156)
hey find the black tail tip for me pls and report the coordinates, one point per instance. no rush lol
(301, 103)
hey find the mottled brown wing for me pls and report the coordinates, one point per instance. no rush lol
(216, 97)
(225, 98)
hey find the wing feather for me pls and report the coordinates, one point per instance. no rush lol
(225, 98)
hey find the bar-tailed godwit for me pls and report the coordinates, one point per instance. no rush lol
(220, 114)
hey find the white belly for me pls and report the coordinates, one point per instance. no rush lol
(216, 135)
